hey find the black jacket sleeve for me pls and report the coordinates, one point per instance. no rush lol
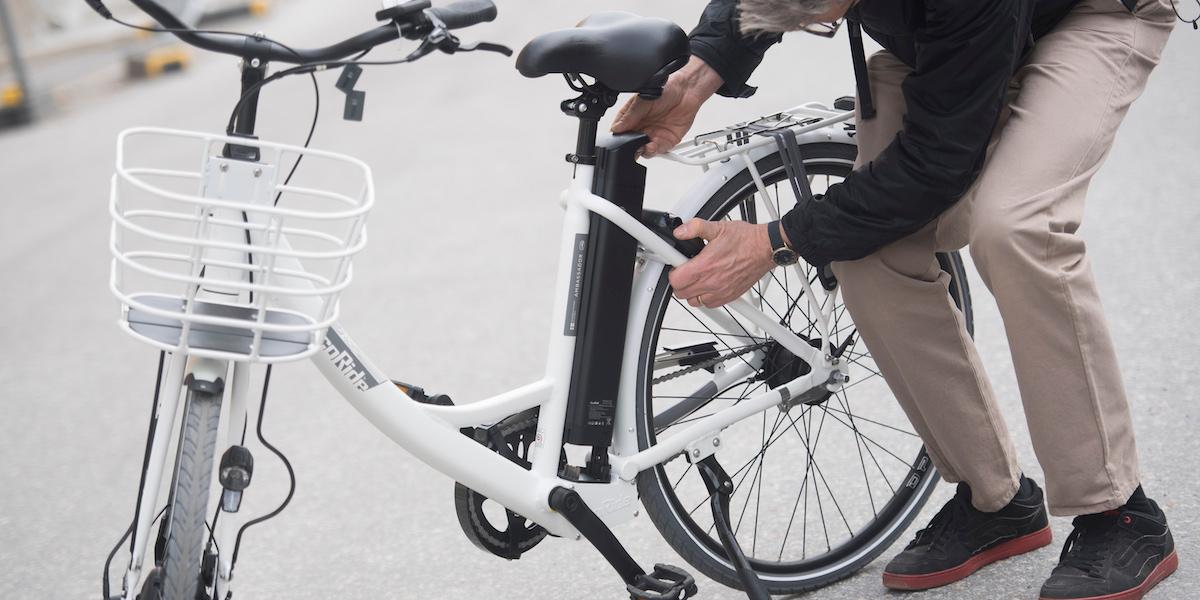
(966, 54)
(717, 41)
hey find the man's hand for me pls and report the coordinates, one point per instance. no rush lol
(668, 118)
(737, 256)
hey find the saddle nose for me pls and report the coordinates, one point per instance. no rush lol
(623, 51)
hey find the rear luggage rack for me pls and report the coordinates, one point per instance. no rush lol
(724, 143)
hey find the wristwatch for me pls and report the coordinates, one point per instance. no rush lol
(781, 253)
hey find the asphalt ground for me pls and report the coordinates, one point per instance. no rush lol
(454, 293)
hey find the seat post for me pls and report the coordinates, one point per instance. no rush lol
(585, 141)
(589, 107)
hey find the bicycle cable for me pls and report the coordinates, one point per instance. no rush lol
(162, 356)
(212, 537)
(1194, 21)
(257, 37)
(104, 588)
(296, 70)
(262, 409)
(311, 69)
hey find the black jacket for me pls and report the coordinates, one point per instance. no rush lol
(963, 54)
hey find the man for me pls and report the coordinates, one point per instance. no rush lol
(992, 116)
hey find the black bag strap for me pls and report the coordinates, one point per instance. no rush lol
(793, 162)
(858, 56)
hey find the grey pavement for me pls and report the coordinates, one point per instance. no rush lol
(453, 292)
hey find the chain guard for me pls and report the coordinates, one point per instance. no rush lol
(512, 438)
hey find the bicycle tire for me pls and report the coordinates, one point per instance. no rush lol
(187, 532)
(702, 549)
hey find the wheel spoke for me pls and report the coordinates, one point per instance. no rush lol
(709, 332)
(865, 437)
(872, 421)
(686, 308)
(824, 487)
(858, 440)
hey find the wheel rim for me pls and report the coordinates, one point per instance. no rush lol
(816, 523)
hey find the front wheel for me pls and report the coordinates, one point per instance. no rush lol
(821, 489)
(187, 529)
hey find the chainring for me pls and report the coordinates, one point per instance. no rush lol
(512, 438)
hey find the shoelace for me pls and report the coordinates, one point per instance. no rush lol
(1085, 547)
(933, 535)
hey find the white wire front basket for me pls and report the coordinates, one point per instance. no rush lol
(213, 255)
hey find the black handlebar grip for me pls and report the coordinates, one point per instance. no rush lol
(465, 13)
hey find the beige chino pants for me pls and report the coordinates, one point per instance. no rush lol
(1020, 219)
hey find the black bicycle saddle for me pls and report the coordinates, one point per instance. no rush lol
(621, 50)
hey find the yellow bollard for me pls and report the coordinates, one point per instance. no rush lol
(11, 95)
(258, 8)
(160, 60)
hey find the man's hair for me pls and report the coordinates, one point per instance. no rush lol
(774, 16)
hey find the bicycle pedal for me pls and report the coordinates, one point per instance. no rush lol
(664, 583)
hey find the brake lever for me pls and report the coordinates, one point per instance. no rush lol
(450, 44)
(486, 47)
(440, 38)
(424, 49)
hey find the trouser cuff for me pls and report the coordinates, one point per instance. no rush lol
(1120, 495)
(992, 500)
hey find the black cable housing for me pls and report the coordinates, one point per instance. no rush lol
(1194, 21)
(262, 409)
(150, 429)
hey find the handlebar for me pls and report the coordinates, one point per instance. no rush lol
(412, 26)
(465, 13)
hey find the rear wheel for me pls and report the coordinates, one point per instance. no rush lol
(187, 530)
(821, 489)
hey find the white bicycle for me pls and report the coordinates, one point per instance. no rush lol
(759, 436)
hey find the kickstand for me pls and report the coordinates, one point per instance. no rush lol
(720, 488)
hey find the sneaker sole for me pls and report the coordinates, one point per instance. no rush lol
(1161, 572)
(1009, 549)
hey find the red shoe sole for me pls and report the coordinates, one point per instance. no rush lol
(1164, 568)
(925, 581)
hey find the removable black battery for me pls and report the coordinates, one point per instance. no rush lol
(604, 296)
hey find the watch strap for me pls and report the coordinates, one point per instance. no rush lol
(776, 237)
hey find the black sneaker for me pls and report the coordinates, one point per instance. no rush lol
(1117, 555)
(960, 539)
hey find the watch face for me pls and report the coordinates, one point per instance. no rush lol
(785, 256)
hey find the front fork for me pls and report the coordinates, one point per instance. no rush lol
(233, 432)
(181, 372)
